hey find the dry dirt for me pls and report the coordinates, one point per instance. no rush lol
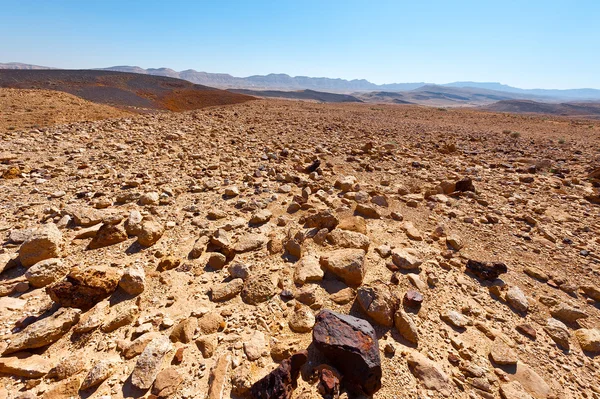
(204, 175)
(29, 109)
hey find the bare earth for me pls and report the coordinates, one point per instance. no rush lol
(204, 175)
(28, 109)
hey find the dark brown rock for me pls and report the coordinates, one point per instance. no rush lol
(351, 345)
(281, 382)
(465, 184)
(486, 270)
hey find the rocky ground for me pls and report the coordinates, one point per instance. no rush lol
(32, 109)
(215, 254)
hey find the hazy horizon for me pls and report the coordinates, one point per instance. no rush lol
(545, 45)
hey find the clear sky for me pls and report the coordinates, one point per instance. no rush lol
(525, 43)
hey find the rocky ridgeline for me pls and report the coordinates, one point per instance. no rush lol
(290, 250)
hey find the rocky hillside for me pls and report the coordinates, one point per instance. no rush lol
(278, 249)
(126, 90)
(581, 110)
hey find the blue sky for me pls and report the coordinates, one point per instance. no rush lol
(527, 43)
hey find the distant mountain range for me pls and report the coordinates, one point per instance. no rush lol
(286, 82)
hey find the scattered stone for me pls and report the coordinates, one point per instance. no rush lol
(210, 323)
(239, 270)
(43, 332)
(256, 346)
(67, 367)
(343, 296)
(93, 318)
(514, 390)
(517, 299)
(527, 330)
(218, 377)
(412, 232)
(378, 302)
(454, 242)
(168, 263)
(502, 354)
(44, 243)
(167, 383)
(592, 292)
(46, 272)
(302, 320)
(138, 345)
(258, 288)
(456, 319)
(353, 223)
(589, 340)
(406, 326)
(150, 232)
(226, 291)
(133, 280)
(261, 217)
(322, 220)
(352, 346)
(367, 211)
(567, 314)
(185, 330)
(207, 345)
(108, 234)
(308, 269)
(250, 242)
(405, 260)
(349, 239)
(429, 372)
(148, 364)
(98, 374)
(347, 264)
(536, 273)
(25, 365)
(133, 223)
(216, 260)
(124, 315)
(465, 184)
(558, 332)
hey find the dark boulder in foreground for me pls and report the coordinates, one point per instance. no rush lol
(351, 345)
(486, 270)
(281, 382)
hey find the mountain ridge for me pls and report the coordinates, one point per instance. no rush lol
(281, 81)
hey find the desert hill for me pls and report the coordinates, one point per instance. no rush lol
(128, 90)
(301, 95)
(589, 110)
(29, 109)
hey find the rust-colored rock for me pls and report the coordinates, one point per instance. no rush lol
(281, 382)
(83, 288)
(351, 345)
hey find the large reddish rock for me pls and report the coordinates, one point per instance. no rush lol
(83, 288)
(351, 345)
(281, 382)
(486, 270)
